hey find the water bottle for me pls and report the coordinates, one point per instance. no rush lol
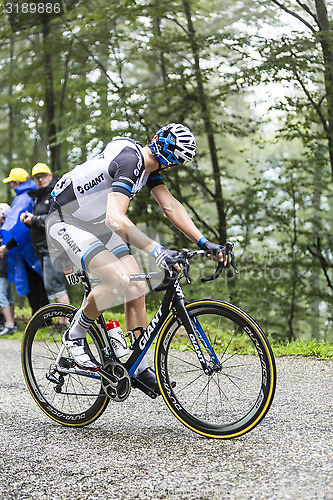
(117, 339)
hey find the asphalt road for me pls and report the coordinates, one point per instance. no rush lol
(137, 449)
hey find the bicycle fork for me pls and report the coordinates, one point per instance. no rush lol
(197, 337)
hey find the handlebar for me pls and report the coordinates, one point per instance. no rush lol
(184, 257)
(227, 250)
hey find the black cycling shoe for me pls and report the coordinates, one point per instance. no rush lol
(147, 378)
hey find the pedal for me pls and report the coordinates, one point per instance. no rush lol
(137, 384)
(66, 363)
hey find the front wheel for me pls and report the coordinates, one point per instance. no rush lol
(66, 394)
(236, 393)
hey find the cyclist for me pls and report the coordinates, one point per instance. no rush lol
(88, 221)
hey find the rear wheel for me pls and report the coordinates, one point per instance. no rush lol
(238, 390)
(66, 394)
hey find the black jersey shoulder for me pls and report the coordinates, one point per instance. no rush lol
(125, 169)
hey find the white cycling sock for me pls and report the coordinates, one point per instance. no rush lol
(79, 326)
(142, 366)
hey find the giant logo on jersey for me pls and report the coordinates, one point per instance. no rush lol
(69, 240)
(90, 184)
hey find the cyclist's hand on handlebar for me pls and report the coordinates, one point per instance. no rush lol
(165, 258)
(213, 251)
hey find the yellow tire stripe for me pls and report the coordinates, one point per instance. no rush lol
(271, 389)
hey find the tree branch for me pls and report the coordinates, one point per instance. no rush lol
(294, 14)
(97, 61)
(185, 202)
(324, 264)
(309, 11)
(313, 103)
(176, 22)
(65, 79)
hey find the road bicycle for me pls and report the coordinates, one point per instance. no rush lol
(214, 365)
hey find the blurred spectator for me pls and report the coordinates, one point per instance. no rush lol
(23, 265)
(7, 304)
(54, 281)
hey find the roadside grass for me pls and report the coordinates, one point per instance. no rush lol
(306, 348)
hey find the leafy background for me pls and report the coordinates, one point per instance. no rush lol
(252, 79)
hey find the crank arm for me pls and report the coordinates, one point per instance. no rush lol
(137, 384)
(113, 381)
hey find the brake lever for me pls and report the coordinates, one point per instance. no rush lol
(186, 271)
(233, 262)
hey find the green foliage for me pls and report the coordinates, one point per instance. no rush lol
(250, 78)
(311, 348)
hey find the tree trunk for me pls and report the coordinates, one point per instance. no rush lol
(206, 116)
(11, 107)
(316, 229)
(11, 115)
(157, 28)
(294, 266)
(50, 99)
(325, 37)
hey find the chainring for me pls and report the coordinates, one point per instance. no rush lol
(121, 392)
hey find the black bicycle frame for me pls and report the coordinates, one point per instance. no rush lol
(174, 299)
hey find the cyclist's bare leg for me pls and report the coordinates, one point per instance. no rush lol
(114, 274)
(115, 279)
(134, 297)
(63, 299)
(134, 294)
(135, 306)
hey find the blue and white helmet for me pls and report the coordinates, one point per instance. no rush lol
(174, 143)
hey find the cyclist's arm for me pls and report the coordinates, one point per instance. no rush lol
(117, 220)
(176, 213)
(179, 217)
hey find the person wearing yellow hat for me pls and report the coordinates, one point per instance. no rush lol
(54, 280)
(40, 168)
(23, 265)
(17, 176)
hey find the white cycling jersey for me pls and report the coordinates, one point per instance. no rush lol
(76, 226)
(119, 168)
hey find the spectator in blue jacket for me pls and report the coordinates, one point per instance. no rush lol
(23, 265)
(7, 304)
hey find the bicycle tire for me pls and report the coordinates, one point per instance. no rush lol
(81, 399)
(227, 403)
